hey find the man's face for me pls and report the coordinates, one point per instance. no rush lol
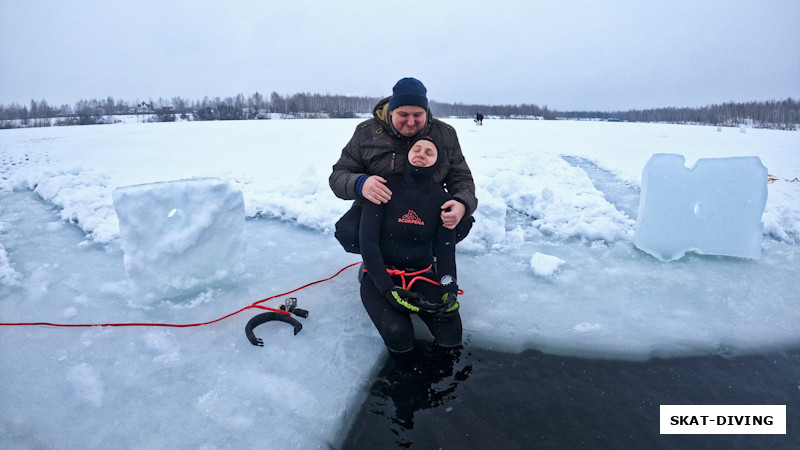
(408, 120)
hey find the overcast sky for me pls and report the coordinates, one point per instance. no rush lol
(568, 55)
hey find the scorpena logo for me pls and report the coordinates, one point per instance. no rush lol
(411, 217)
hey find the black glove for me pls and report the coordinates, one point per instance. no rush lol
(449, 299)
(404, 300)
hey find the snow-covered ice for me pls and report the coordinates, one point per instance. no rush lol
(712, 208)
(179, 236)
(564, 190)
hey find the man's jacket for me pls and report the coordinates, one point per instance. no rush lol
(376, 148)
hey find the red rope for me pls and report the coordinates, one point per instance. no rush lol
(186, 325)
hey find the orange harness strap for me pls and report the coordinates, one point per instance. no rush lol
(416, 276)
(403, 274)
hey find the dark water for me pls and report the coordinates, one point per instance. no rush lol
(533, 400)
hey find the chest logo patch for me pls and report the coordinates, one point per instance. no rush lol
(411, 217)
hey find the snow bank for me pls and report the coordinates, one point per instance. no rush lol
(282, 170)
(557, 199)
(8, 276)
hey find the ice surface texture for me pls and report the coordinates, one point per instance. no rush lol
(179, 236)
(712, 208)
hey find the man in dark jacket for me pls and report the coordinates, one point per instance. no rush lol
(379, 148)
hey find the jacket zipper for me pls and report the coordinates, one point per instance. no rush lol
(394, 153)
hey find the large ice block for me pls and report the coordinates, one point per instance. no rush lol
(180, 236)
(712, 208)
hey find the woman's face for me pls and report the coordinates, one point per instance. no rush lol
(423, 153)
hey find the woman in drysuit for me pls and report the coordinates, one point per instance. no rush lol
(398, 240)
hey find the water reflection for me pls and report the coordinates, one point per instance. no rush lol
(426, 378)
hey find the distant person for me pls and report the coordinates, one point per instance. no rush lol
(401, 277)
(378, 149)
(479, 119)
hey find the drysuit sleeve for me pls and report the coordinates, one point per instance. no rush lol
(445, 251)
(369, 240)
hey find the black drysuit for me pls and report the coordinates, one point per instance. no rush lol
(406, 233)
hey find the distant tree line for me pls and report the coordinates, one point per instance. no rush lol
(501, 111)
(783, 114)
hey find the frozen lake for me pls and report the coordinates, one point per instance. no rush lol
(564, 189)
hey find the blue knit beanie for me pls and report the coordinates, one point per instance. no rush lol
(408, 92)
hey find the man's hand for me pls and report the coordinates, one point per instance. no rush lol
(375, 190)
(452, 213)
